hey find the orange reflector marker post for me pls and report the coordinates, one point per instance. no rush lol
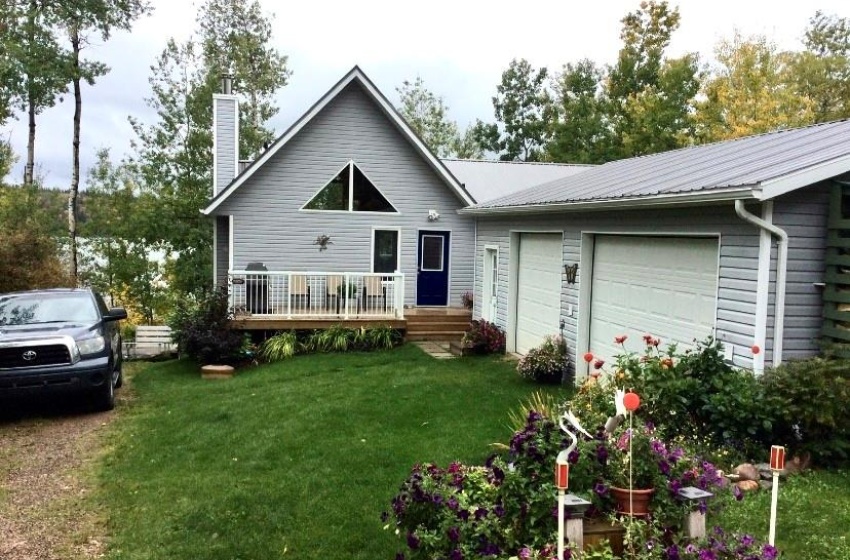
(777, 463)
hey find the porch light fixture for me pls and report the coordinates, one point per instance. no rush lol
(433, 215)
(571, 270)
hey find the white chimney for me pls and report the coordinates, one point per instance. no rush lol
(225, 136)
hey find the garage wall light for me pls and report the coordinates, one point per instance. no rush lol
(571, 270)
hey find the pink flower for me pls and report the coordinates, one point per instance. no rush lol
(620, 339)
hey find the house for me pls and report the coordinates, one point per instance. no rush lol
(727, 240)
(348, 213)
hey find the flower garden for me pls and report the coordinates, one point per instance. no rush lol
(698, 418)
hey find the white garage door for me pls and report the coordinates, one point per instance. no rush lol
(663, 286)
(538, 288)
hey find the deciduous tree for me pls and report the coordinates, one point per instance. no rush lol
(524, 114)
(425, 112)
(752, 91)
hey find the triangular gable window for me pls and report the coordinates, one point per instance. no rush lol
(350, 191)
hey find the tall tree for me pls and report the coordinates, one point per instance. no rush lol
(235, 37)
(425, 112)
(81, 18)
(466, 145)
(33, 65)
(174, 155)
(524, 112)
(822, 70)
(751, 91)
(581, 131)
(651, 96)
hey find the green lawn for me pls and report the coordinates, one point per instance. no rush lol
(813, 516)
(296, 459)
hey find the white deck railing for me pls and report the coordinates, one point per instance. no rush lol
(317, 294)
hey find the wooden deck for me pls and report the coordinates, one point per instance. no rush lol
(429, 322)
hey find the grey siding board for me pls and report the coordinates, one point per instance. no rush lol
(270, 228)
(222, 249)
(225, 142)
(737, 273)
(803, 215)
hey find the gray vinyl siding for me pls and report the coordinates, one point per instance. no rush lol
(225, 142)
(738, 261)
(222, 249)
(803, 215)
(269, 226)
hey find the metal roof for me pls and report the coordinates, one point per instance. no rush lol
(761, 167)
(490, 179)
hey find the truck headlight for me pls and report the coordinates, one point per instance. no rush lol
(91, 345)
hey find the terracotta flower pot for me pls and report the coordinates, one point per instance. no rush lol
(632, 502)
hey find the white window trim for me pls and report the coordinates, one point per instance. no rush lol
(397, 249)
(350, 165)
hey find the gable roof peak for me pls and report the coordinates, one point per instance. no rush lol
(372, 91)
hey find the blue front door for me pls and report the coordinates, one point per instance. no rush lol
(432, 283)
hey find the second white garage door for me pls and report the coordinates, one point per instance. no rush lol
(663, 286)
(540, 268)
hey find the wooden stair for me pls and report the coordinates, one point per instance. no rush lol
(443, 325)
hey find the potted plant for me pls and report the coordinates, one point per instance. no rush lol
(347, 290)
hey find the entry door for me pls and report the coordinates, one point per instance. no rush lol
(432, 283)
(489, 300)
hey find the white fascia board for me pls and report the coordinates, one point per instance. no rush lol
(805, 177)
(618, 204)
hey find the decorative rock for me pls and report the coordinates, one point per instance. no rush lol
(747, 472)
(217, 372)
(766, 484)
(798, 463)
(747, 485)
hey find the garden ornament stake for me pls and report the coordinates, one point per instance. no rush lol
(777, 464)
(614, 422)
(562, 475)
(631, 401)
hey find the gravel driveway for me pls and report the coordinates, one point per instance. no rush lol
(47, 459)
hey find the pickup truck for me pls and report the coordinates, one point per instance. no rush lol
(60, 340)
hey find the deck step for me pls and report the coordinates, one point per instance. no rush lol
(437, 336)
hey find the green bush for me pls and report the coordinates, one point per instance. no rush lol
(811, 401)
(279, 347)
(696, 393)
(202, 329)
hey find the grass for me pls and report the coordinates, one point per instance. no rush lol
(293, 459)
(813, 516)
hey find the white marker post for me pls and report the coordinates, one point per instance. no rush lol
(777, 464)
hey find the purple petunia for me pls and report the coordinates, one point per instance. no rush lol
(747, 540)
(524, 553)
(412, 541)
(672, 552)
(456, 555)
(602, 455)
(736, 491)
(664, 467)
(453, 534)
(452, 504)
(600, 489)
(769, 552)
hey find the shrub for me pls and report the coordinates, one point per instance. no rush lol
(484, 337)
(279, 347)
(547, 363)
(810, 398)
(696, 392)
(202, 329)
(381, 337)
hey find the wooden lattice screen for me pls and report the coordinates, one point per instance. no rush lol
(836, 295)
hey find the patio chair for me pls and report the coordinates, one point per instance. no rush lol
(299, 292)
(374, 288)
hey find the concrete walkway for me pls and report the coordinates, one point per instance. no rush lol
(439, 350)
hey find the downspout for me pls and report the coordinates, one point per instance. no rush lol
(764, 283)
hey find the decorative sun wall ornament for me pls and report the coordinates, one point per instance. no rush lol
(323, 241)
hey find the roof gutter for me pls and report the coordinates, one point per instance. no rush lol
(619, 203)
(763, 285)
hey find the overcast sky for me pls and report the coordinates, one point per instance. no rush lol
(459, 47)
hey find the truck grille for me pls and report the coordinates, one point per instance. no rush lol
(53, 354)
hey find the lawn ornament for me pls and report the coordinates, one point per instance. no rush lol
(574, 529)
(614, 422)
(777, 464)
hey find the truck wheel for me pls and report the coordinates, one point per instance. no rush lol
(104, 398)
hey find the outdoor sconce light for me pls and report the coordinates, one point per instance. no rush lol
(571, 270)
(433, 215)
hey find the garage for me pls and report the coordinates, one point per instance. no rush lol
(538, 310)
(663, 286)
